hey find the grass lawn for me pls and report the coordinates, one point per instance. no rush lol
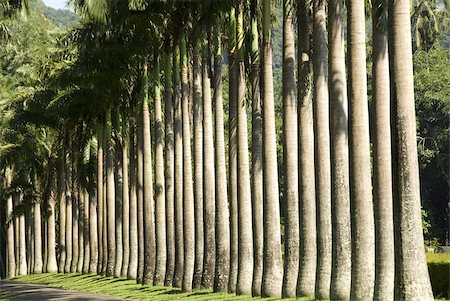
(124, 288)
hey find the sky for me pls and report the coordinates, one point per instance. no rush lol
(58, 4)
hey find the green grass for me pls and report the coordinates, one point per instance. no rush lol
(438, 257)
(124, 288)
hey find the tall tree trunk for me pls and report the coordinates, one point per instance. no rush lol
(222, 225)
(15, 199)
(93, 234)
(29, 235)
(412, 281)
(322, 151)
(363, 235)
(86, 240)
(198, 167)
(273, 264)
(308, 249)
(75, 204)
(80, 229)
(179, 246)
(51, 264)
(134, 242)
(340, 198)
(208, 173)
(101, 252)
(291, 151)
(257, 155)
(382, 174)
(105, 209)
(110, 197)
(149, 212)
(125, 201)
(232, 152)
(140, 195)
(188, 193)
(160, 198)
(169, 169)
(245, 237)
(69, 203)
(11, 260)
(118, 201)
(22, 242)
(61, 172)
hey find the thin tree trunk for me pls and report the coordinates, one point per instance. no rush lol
(134, 243)
(257, 155)
(308, 249)
(140, 196)
(273, 264)
(125, 203)
(222, 225)
(110, 197)
(412, 281)
(16, 234)
(86, 240)
(22, 242)
(160, 198)
(93, 234)
(101, 252)
(179, 245)
(188, 193)
(62, 211)
(322, 151)
(75, 205)
(382, 174)
(340, 198)
(51, 264)
(11, 263)
(363, 232)
(69, 200)
(245, 237)
(169, 171)
(29, 235)
(119, 205)
(208, 173)
(80, 243)
(232, 152)
(291, 152)
(198, 167)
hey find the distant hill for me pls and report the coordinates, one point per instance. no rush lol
(62, 18)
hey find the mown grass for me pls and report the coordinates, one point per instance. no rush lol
(124, 288)
(438, 257)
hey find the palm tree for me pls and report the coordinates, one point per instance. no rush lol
(188, 192)
(232, 151)
(382, 174)
(75, 201)
(69, 203)
(208, 175)
(273, 265)
(22, 258)
(134, 242)
(125, 201)
(363, 240)
(257, 154)
(86, 240)
(322, 151)
(178, 149)
(290, 129)
(411, 277)
(118, 177)
(93, 230)
(160, 199)
(110, 197)
(101, 252)
(340, 199)
(140, 180)
(221, 278)
(61, 174)
(38, 264)
(198, 166)
(245, 239)
(169, 168)
(11, 261)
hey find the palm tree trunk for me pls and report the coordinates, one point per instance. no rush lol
(169, 170)
(245, 237)
(118, 202)
(75, 203)
(291, 151)
(134, 241)
(363, 235)
(80, 243)
(188, 193)
(38, 264)
(208, 173)
(93, 234)
(101, 252)
(16, 234)
(11, 258)
(125, 202)
(160, 198)
(30, 240)
(308, 249)
(273, 264)
(62, 210)
(22, 242)
(232, 152)
(110, 197)
(86, 240)
(179, 245)
(382, 174)
(340, 198)
(140, 196)
(322, 151)
(69, 203)
(412, 281)
(222, 225)
(51, 265)
(105, 209)
(198, 168)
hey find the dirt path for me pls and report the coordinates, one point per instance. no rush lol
(15, 290)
